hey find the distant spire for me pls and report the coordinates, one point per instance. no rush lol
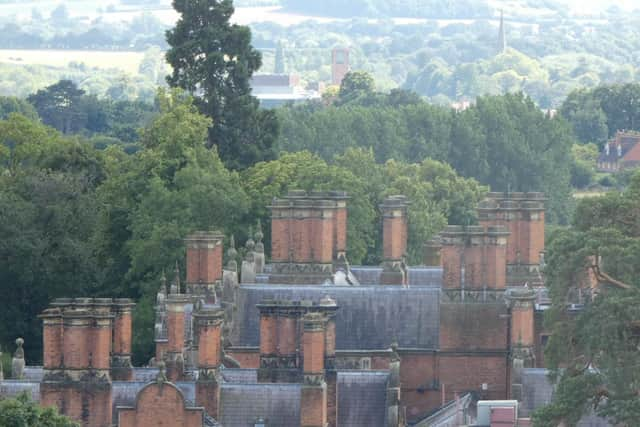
(502, 38)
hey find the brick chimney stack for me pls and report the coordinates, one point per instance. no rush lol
(174, 357)
(313, 407)
(308, 233)
(208, 324)
(522, 214)
(394, 240)
(453, 244)
(77, 340)
(121, 368)
(204, 263)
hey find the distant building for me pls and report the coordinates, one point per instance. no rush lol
(622, 152)
(273, 90)
(502, 38)
(339, 64)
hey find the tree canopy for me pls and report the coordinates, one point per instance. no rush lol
(593, 353)
(23, 412)
(214, 60)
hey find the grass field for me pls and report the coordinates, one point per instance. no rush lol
(127, 62)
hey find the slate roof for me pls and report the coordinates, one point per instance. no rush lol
(13, 388)
(362, 399)
(240, 376)
(368, 317)
(418, 276)
(242, 404)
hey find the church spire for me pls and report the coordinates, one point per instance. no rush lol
(502, 38)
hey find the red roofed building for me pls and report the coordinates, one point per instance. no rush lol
(622, 152)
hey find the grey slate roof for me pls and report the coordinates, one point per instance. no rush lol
(242, 404)
(33, 373)
(13, 388)
(145, 374)
(240, 376)
(537, 391)
(418, 276)
(368, 317)
(362, 398)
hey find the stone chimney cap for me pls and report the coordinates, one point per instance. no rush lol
(327, 301)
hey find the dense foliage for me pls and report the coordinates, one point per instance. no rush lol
(23, 412)
(214, 59)
(594, 352)
(597, 114)
(505, 142)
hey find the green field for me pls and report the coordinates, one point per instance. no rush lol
(127, 62)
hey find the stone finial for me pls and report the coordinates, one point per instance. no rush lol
(17, 364)
(232, 253)
(250, 245)
(175, 285)
(163, 283)
(259, 236)
(161, 378)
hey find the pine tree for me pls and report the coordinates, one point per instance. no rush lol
(214, 60)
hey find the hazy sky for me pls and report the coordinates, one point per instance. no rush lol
(590, 6)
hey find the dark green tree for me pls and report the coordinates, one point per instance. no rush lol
(356, 84)
(60, 106)
(214, 60)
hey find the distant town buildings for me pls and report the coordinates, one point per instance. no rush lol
(339, 65)
(273, 90)
(621, 152)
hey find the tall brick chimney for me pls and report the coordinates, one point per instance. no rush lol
(313, 407)
(208, 323)
(394, 240)
(453, 245)
(308, 234)
(121, 367)
(77, 340)
(204, 263)
(477, 251)
(522, 339)
(279, 341)
(522, 214)
(174, 356)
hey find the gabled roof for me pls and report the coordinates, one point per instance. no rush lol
(368, 317)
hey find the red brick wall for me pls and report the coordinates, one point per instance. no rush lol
(322, 240)
(76, 346)
(474, 266)
(101, 345)
(122, 332)
(90, 408)
(204, 264)
(418, 371)
(248, 360)
(340, 229)
(473, 326)
(536, 237)
(161, 349)
(280, 239)
(313, 342)
(496, 266)
(459, 374)
(287, 335)
(160, 406)
(332, 400)
(175, 331)
(313, 407)
(207, 396)
(451, 264)
(52, 343)
(394, 237)
(209, 346)
(522, 326)
(268, 334)
(302, 238)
